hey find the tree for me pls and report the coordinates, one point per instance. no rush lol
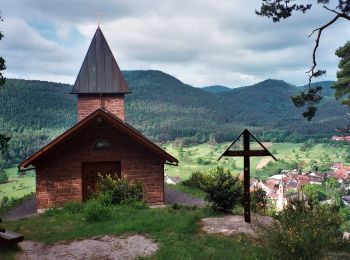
(314, 192)
(342, 85)
(283, 9)
(4, 139)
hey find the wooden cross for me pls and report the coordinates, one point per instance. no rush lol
(246, 153)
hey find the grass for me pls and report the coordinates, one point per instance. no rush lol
(17, 187)
(176, 231)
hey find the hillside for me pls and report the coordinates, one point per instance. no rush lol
(165, 109)
(217, 89)
(327, 91)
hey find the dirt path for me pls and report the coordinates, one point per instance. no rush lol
(179, 197)
(24, 210)
(103, 247)
(234, 224)
(267, 144)
(263, 162)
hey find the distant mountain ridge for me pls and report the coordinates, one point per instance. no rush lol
(165, 109)
(217, 89)
(327, 90)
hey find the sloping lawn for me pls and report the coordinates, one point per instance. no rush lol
(17, 187)
(176, 231)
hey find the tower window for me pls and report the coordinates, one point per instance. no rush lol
(102, 145)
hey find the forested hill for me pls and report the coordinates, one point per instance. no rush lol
(165, 109)
(217, 89)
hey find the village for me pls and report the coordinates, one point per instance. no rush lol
(289, 184)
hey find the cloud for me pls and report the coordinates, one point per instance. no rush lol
(201, 42)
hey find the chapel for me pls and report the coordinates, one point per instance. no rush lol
(100, 142)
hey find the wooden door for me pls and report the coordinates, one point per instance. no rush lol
(90, 171)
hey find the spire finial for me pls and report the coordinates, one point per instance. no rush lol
(98, 15)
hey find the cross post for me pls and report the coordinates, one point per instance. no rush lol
(246, 153)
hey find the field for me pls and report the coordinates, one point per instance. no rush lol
(17, 186)
(203, 157)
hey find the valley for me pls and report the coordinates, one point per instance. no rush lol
(204, 157)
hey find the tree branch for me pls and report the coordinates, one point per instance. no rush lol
(331, 10)
(320, 30)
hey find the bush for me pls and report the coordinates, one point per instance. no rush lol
(5, 201)
(223, 191)
(302, 232)
(258, 200)
(120, 189)
(197, 180)
(3, 178)
(73, 207)
(95, 211)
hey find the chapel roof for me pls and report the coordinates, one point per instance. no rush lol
(100, 73)
(113, 121)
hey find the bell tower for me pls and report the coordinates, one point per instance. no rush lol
(100, 83)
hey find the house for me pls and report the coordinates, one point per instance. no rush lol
(101, 142)
(171, 180)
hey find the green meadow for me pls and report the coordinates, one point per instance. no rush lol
(204, 156)
(17, 186)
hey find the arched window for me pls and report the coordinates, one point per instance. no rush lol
(102, 145)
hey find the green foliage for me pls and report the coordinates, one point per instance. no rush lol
(223, 190)
(342, 85)
(120, 190)
(198, 180)
(35, 112)
(3, 178)
(333, 191)
(314, 193)
(73, 207)
(5, 201)
(302, 232)
(273, 167)
(95, 211)
(4, 139)
(344, 213)
(258, 200)
(54, 211)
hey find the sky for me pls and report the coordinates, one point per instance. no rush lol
(200, 42)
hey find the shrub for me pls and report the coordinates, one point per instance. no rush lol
(73, 207)
(95, 211)
(258, 200)
(223, 191)
(3, 178)
(197, 180)
(120, 189)
(104, 198)
(302, 232)
(5, 201)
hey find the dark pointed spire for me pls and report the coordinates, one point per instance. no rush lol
(100, 72)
